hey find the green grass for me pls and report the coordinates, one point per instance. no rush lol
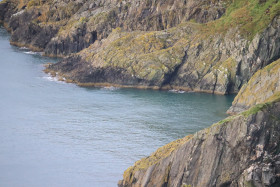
(228, 119)
(255, 109)
(251, 17)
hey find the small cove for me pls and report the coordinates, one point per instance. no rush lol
(58, 134)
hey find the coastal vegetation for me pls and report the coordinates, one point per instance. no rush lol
(212, 46)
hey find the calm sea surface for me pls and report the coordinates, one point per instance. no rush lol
(58, 134)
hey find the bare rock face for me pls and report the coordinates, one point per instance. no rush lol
(229, 61)
(189, 45)
(195, 45)
(180, 58)
(74, 25)
(262, 86)
(239, 151)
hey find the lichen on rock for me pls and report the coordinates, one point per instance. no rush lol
(213, 46)
(264, 86)
(239, 151)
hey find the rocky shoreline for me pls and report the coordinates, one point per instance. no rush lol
(198, 52)
(241, 150)
(218, 47)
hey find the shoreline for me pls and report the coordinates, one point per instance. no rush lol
(62, 77)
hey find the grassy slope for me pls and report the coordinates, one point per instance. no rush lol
(251, 17)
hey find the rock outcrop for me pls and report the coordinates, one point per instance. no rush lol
(77, 24)
(183, 57)
(213, 46)
(202, 45)
(241, 151)
(262, 86)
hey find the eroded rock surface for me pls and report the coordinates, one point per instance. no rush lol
(77, 24)
(263, 85)
(239, 151)
(183, 57)
(202, 45)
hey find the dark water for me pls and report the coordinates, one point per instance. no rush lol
(58, 134)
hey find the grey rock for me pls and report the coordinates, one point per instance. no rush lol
(224, 155)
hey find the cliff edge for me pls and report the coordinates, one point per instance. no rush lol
(196, 45)
(240, 151)
(264, 85)
(213, 46)
(214, 57)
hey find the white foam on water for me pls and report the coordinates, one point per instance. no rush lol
(176, 91)
(51, 78)
(23, 48)
(30, 53)
(33, 53)
(111, 88)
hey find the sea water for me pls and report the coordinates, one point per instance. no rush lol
(58, 134)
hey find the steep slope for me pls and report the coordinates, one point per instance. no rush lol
(212, 57)
(218, 51)
(262, 86)
(204, 45)
(74, 25)
(239, 151)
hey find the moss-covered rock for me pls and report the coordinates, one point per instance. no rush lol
(263, 87)
(218, 51)
(100, 17)
(237, 151)
(178, 58)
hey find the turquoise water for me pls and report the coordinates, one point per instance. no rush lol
(58, 134)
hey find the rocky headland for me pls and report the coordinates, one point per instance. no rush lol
(241, 151)
(213, 46)
(262, 87)
(195, 45)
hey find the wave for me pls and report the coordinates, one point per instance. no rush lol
(50, 78)
(111, 88)
(23, 48)
(176, 91)
(32, 53)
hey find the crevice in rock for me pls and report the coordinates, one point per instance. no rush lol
(168, 78)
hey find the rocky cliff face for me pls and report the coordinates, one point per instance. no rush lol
(261, 87)
(183, 57)
(239, 151)
(205, 46)
(74, 25)
(212, 46)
